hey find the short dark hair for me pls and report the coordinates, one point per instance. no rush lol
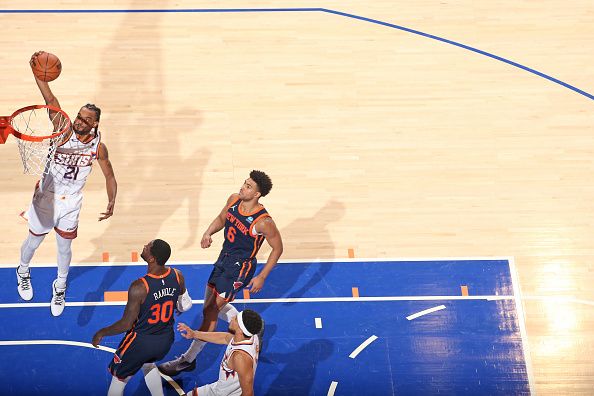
(161, 251)
(252, 321)
(94, 108)
(262, 180)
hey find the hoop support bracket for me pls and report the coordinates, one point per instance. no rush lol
(5, 129)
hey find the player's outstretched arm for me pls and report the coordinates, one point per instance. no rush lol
(110, 181)
(215, 337)
(136, 295)
(244, 367)
(44, 87)
(217, 224)
(268, 228)
(47, 94)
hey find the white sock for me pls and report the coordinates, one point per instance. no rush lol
(152, 379)
(116, 388)
(228, 312)
(193, 350)
(28, 248)
(64, 258)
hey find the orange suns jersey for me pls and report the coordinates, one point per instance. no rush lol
(156, 314)
(241, 237)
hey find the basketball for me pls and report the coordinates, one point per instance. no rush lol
(47, 67)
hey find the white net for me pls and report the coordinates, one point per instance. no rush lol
(39, 138)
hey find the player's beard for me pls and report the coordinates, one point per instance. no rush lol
(82, 133)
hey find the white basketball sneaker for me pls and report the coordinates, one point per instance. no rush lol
(58, 300)
(24, 284)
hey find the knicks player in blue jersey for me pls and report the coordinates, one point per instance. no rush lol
(147, 321)
(247, 224)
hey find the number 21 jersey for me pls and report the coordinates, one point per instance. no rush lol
(72, 165)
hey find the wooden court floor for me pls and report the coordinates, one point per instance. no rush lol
(378, 140)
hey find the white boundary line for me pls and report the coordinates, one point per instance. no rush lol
(276, 300)
(396, 260)
(332, 388)
(522, 323)
(362, 346)
(425, 312)
(172, 382)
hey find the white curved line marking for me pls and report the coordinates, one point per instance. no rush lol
(173, 384)
(362, 346)
(425, 312)
(332, 388)
(57, 342)
(85, 345)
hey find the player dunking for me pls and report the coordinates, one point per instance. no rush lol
(247, 224)
(58, 196)
(238, 367)
(148, 321)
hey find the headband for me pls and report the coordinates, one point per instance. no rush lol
(242, 326)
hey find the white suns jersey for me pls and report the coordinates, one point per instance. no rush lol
(228, 383)
(73, 161)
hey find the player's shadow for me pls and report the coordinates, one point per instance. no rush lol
(194, 167)
(155, 152)
(315, 242)
(298, 367)
(111, 275)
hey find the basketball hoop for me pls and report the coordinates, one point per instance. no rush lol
(30, 126)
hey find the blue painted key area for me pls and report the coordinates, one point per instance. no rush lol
(472, 347)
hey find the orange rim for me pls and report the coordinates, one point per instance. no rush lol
(30, 138)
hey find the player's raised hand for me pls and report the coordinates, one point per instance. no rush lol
(185, 330)
(108, 213)
(206, 241)
(256, 284)
(34, 58)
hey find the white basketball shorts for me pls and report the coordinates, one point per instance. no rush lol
(60, 212)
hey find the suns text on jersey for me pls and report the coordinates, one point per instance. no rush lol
(70, 159)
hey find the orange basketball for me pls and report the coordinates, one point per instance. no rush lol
(47, 67)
